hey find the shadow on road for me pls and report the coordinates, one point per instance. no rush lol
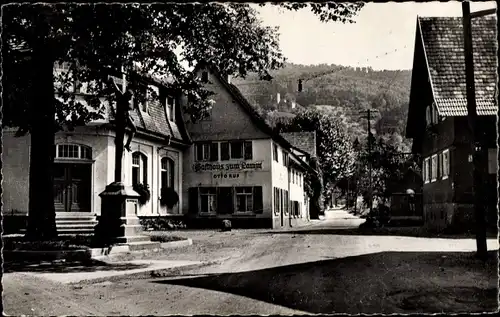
(387, 282)
(417, 232)
(69, 267)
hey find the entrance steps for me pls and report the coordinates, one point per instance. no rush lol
(75, 222)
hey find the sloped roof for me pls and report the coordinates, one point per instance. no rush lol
(256, 117)
(305, 141)
(444, 49)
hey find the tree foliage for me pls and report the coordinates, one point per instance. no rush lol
(138, 40)
(334, 150)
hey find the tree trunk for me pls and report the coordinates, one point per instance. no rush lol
(41, 217)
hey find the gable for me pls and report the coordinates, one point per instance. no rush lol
(228, 119)
(421, 94)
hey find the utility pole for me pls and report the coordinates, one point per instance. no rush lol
(370, 186)
(476, 146)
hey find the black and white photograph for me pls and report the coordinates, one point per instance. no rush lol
(249, 158)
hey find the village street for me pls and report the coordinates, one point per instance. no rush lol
(308, 270)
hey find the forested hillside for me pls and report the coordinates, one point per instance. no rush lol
(344, 90)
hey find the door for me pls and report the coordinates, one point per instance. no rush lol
(72, 187)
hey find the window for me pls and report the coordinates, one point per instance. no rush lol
(276, 201)
(236, 150)
(293, 176)
(435, 115)
(208, 200)
(445, 162)
(428, 117)
(275, 152)
(426, 170)
(170, 108)
(433, 168)
(139, 168)
(207, 151)
(440, 165)
(167, 172)
(244, 199)
(285, 158)
(146, 95)
(73, 151)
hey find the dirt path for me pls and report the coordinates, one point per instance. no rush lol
(284, 273)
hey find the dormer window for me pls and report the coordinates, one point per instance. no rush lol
(170, 107)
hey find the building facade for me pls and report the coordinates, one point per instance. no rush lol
(437, 118)
(238, 169)
(84, 162)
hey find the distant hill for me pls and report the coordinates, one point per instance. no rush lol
(345, 89)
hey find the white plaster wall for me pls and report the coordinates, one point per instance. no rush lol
(260, 177)
(15, 158)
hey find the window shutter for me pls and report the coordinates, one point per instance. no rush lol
(286, 203)
(199, 152)
(214, 152)
(257, 200)
(193, 200)
(224, 200)
(248, 150)
(224, 151)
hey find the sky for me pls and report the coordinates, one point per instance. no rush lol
(380, 28)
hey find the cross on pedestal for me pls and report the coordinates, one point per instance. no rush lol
(118, 222)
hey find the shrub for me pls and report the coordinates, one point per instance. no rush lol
(161, 223)
(144, 192)
(169, 197)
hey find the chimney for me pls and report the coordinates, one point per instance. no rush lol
(278, 97)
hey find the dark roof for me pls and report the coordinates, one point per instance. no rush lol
(305, 141)
(444, 49)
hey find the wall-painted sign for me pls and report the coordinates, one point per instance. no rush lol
(226, 175)
(241, 166)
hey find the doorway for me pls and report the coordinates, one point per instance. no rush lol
(72, 187)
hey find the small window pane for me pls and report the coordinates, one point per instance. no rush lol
(236, 150)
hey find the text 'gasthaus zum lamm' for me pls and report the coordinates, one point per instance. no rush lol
(201, 167)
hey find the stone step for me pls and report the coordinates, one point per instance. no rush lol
(76, 222)
(74, 214)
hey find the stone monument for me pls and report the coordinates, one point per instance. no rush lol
(118, 223)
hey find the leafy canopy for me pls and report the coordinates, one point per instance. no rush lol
(100, 39)
(334, 149)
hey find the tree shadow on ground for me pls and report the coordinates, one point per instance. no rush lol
(387, 282)
(69, 267)
(417, 232)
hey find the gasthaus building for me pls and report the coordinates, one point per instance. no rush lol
(239, 169)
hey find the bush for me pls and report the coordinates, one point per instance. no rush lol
(144, 192)
(169, 197)
(161, 223)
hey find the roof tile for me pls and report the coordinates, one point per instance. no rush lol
(443, 41)
(305, 141)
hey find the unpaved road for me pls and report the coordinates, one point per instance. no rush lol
(267, 272)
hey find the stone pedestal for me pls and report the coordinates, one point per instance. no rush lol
(119, 223)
